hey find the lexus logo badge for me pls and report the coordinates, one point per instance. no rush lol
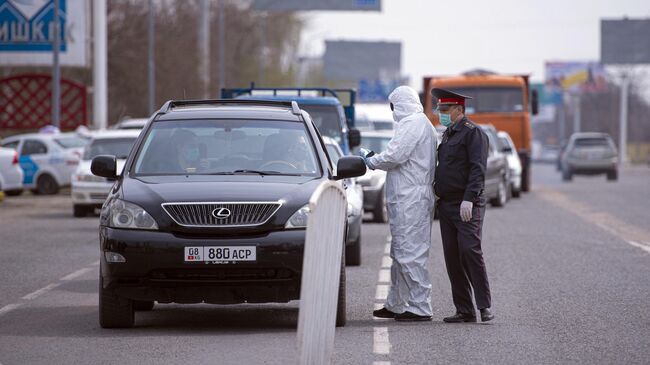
(221, 213)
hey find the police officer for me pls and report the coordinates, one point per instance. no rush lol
(459, 183)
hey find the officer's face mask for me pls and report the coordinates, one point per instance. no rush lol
(444, 115)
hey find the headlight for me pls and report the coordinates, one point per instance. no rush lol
(299, 218)
(121, 214)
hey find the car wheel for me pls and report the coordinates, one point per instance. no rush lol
(380, 213)
(612, 175)
(46, 185)
(502, 195)
(14, 192)
(143, 305)
(341, 315)
(566, 175)
(353, 252)
(79, 211)
(114, 311)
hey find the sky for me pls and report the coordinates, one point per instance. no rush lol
(506, 36)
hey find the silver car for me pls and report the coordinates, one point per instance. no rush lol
(373, 181)
(589, 154)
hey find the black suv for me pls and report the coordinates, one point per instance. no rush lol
(212, 207)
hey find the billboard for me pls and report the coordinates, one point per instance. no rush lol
(307, 5)
(625, 41)
(574, 77)
(27, 32)
(355, 60)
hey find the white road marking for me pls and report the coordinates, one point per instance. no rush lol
(384, 276)
(381, 343)
(8, 308)
(35, 294)
(640, 245)
(76, 274)
(386, 262)
(40, 291)
(373, 363)
(382, 292)
(387, 248)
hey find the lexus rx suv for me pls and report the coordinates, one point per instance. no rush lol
(212, 207)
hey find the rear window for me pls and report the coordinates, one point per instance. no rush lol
(592, 142)
(70, 142)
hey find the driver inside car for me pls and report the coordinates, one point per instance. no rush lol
(190, 158)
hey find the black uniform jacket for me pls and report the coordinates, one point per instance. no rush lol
(462, 160)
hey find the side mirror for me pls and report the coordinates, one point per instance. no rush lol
(534, 102)
(354, 137)
(104, 166)
(350, 166)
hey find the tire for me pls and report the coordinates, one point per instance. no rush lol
(341, 314)
(46, 185)
(14, 192)
(380, 213)
(567, 175)
(353, 253)
(516, 193)
(114, 311)
(501, 198)
(612, 175)
(525, 176)
(79, 211)
(143, 305)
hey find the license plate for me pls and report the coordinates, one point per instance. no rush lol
(220, 254)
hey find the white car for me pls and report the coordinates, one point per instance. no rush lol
(374, 196)
(11, 175)
(354, 194)
(514, 164)
(47, 159)
(373, 117)
(131, 123)
(90, 191)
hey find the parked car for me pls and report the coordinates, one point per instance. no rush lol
(354, 194)
(131, 123)
(89, 191)
(47, 159)
(497, 174)
(373, 117)
(212, 206)
(514, 164)
(11, 175)
(374, 181)
(589, 154)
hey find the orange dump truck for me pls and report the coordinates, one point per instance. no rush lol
(500, 100)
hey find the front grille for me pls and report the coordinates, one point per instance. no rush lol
(226, 214)
(96, 196)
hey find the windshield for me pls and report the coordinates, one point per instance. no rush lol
(327, 119)
(227, 147)
(376, 144)
(492, 99)
(70, 142)
(118, 147)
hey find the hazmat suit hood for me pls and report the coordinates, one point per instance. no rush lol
(406, 102)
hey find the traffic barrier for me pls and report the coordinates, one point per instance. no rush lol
(320, 274)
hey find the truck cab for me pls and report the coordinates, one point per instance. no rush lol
(325, 106)
(500, 100)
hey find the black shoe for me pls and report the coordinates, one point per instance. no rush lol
(383, 313)
(486, 315)
(411, 317)
(460, 318)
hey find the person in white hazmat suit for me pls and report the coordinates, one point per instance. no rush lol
(409, 160)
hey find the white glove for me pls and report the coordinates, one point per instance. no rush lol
(466, 210)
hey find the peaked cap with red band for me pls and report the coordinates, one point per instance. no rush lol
(449, 97)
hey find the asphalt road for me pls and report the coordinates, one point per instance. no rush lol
(569, 265)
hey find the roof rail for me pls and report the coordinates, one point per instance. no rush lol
(171, 104)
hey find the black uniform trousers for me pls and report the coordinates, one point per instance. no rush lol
(461, 242)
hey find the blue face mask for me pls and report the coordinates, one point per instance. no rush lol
(191, 154)
(445, 119)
